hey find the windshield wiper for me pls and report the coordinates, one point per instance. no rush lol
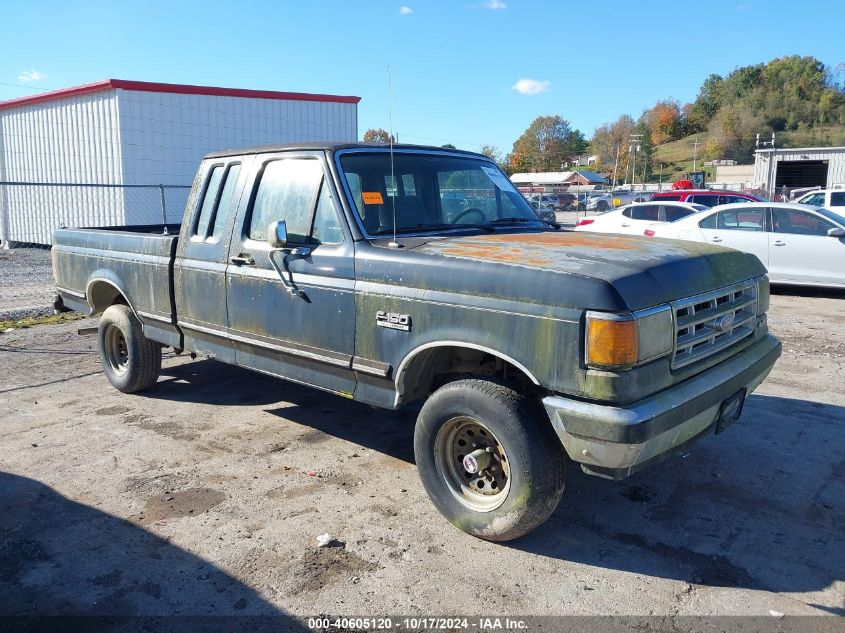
(436, 227)
(514, 220)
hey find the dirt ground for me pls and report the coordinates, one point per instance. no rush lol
(206, 496)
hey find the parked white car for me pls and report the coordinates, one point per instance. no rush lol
(633, 219)
(831, 199)
(799, 244)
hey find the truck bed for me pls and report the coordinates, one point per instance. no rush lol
(137, 261)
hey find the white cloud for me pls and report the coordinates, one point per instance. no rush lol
(31, 75)
(404, 10)
(531, 86)
(493, 5)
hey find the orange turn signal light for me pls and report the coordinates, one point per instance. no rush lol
(611, 343)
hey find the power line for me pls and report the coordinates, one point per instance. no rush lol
(3, 83)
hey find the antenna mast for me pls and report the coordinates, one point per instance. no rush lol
(393, 244)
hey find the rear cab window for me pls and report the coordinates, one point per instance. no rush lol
(707, 200)
(217, 202)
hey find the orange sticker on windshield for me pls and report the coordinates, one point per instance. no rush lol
(372, 197)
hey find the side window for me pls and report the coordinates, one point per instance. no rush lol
(209, 198)
(287, 191)
(815, 199)
(743, 220)
(705, 199)
(837, 199)
(709, 222)
(649, 212)
(226, 202)
(673, 213)
(798, 223)
(326, 225)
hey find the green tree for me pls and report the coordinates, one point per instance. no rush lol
(548, 142)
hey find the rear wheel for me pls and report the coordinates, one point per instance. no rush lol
(488, 459)
(130, 360)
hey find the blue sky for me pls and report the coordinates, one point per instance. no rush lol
(464, 71)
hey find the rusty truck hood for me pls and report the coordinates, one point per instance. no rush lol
(642, 271)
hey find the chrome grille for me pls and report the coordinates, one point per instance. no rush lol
(710, 322)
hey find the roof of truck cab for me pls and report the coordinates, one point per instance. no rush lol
(332, 147)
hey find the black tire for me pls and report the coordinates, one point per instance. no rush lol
(534, 458)
(130, 360)
(603, 206)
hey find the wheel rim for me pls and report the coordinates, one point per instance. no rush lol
(464, 437)
(117, 353)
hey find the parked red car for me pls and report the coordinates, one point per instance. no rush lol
(707, 197)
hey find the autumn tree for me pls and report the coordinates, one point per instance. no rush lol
(610, 145)
(664, 122)
(547, 143)
(377, 135)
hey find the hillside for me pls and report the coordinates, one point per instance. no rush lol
(676, 156)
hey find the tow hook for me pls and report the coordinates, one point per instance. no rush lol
(478, 460)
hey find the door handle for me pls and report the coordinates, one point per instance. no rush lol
(780, 243)
(623, 224)
(242, 260)
(717, 239)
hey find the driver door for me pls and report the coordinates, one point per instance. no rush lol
(307, 337)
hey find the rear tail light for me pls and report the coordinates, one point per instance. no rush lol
(585, 222)
(648, 233)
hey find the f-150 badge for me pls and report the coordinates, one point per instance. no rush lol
(393, 320)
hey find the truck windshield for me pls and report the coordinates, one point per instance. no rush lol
(432, 192)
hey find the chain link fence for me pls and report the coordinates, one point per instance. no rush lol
(30, 211)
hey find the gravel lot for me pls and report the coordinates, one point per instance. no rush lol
(26, 283)
(206, 496)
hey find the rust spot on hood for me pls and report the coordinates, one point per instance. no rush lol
(530, 249)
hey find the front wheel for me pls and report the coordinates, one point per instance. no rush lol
(130, 360)
(488, 459)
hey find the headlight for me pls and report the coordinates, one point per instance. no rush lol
(621, 341)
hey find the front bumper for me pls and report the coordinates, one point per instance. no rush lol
(613, 442)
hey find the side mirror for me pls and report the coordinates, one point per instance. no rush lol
(277, 234)
(836, 232)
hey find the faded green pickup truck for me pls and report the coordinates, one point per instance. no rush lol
(420, 275)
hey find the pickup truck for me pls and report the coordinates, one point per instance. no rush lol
(523, 346)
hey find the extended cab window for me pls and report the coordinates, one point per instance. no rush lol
(743, 220)
(209, 199)
(799, 223)
(837, 199)
(225, 203)
(287, 191)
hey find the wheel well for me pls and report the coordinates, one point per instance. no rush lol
(431, 368)
(102, 294)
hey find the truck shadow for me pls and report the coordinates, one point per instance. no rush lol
(808, 291)
(68, 566)
(760, 507)
(209, 382)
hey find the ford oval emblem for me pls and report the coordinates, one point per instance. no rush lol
(725, 322)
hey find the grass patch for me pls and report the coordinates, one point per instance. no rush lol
(49, 319)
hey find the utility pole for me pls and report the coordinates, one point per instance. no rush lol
(634, 145)
(615, 166)
(770, 186)
(695, 145)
